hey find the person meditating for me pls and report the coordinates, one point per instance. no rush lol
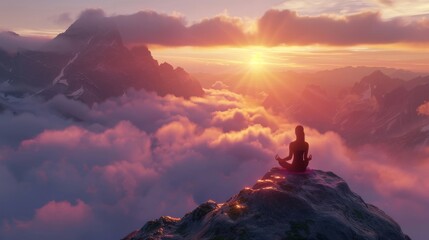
(299, 150)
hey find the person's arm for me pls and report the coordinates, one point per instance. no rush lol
(286, 158)
(306, 156)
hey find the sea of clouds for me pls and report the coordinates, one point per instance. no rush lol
(72, 172)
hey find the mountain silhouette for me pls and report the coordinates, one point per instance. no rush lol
(89, 62)
(377, 109)
(315, 205)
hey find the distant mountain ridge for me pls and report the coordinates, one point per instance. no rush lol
(314, 206)
(377, 109)
(89, 62)
(332, 80)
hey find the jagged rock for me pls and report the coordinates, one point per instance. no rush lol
(379, 109)
(90, 62)
(315, 205)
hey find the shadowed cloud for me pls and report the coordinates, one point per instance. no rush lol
(12, 42)
(275, 27)
(133, 158)
(287, 27)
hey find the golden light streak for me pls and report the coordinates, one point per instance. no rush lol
(43, 33)
(258, 62)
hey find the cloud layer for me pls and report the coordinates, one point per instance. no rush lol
(275, 27)
(140, 156)
(154, 28)
(131, 160)
(12, 42)
(287, 27)
(423, 109)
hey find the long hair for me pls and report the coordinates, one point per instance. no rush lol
(299, 132)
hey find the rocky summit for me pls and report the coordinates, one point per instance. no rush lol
(282, 205)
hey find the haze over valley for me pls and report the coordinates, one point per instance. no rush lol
(123, 117)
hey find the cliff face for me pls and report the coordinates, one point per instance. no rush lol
(90, 63)
(282, 205)
(378, 109)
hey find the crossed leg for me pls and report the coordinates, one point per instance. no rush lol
(293, 168)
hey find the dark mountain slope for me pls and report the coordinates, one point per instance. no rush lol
(314, 206)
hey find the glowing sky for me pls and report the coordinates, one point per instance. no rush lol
(52, 15)
(110, 161)
(395, 22)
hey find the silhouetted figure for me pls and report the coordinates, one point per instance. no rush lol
(299, 150)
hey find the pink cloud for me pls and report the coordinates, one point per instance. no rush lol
(62, 18)
(423, 109)
(387, 2)
(149, 27)
(56, 219)
(69, 137)
(12, 42)
(275, 27)
(219, 85)
(139, 156)
(287, 27)
(60, 214)
(222, 30)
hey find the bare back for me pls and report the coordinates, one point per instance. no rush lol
(300, 154)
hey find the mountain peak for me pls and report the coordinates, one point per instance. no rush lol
(88, 27)
(377, 74)
(281, 205)
(91, 63)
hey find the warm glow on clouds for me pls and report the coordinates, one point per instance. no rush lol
(287, 27)
(280, 58)
(423, 109)
(51, 219)
(275, 27)
(11, 42)
(148, 27)
(280, 39)
(140, 156)
(62, 214)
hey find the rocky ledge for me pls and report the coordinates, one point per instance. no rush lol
(282, 205)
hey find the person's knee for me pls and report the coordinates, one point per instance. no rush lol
(284, 164)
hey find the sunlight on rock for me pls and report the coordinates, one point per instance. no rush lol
(265, 181)
(278, 177)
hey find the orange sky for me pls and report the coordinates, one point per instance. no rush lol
(298, 58)
(203, 36)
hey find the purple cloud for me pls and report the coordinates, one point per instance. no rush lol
(275, 27)
(12, 42)
(139, 156)
(62, 19)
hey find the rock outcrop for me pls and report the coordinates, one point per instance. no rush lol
(282, 205)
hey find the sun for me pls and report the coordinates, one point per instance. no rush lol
(256, 61)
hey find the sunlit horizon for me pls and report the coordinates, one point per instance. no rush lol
(115, 113)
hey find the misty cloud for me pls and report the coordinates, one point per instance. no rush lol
(275, 27)
(386, 2)
(150, 27)
(130, 160)
(219, 85)
(62, 19)
(287, 27)
(12, 42)
(423, 109)
(140, 156)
